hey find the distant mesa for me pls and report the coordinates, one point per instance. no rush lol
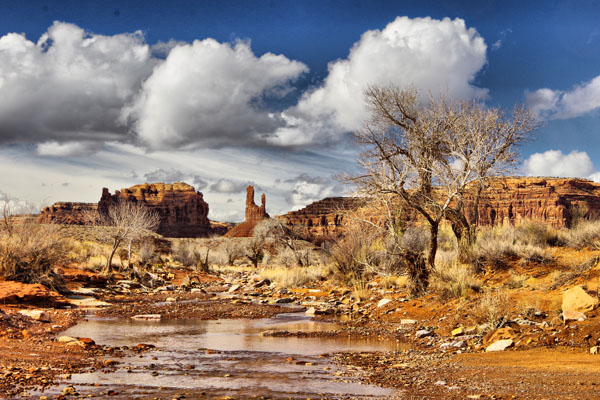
(506, 200)
(254, 214)
(183, 211)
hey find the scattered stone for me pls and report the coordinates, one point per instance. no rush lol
(233, 288)
(422, 333)
(263, 282)
(170, 299)
(499, 345)
(458, 331)
(408, 322)
(284, 300)
(594, 350)
(66, 339)
(570, 315)
(38, 315)
(311, 311)
(147, 316)
(69, 391)
(197, 290)
(383, 302)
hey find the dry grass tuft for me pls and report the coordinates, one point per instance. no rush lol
(296, 276)
(450, 279)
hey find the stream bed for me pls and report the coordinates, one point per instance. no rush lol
(220, 358)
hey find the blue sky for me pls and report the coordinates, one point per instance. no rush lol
(115, 93)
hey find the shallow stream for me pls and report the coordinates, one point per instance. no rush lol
(206, 359)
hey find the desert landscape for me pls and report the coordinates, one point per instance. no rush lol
(523, 310)
(313, 199)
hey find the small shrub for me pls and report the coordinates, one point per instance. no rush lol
(495, 246)
(232, 250)
(584, 234)
(536, 234)
(451, 279)
(187, 254)
(147, 252)
(29, 251)
(492, 309)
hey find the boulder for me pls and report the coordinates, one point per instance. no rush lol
(383, 302)
(38, 315)
(499, 345)
(577, 300)
(422, 333)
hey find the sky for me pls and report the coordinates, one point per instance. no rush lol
(222, 94)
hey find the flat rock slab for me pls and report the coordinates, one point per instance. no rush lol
(38, 315)
(499, 345)
(147, 316)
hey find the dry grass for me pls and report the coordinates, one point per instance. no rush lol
(584, 234)
(492, 309)
(296, 276)
(450, 279)
(361, 291)
(29, 251)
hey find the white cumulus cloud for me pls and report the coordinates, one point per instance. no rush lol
(208, 94)
(437, 56)
(556, 163)
(556, 104)
(70, 85)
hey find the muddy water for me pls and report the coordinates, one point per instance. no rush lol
(205, 359)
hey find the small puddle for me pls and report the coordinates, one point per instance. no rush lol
(241, 363)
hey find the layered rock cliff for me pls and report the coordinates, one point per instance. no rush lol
(183, 211)
(253, 215)
(505, 200)
(325, 218)
(549, 200)
(66, 213)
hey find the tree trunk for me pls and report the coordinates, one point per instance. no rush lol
(129, 254)
(433, 243)
(418, 272)
(108, 267)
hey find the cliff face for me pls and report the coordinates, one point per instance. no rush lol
(325, 218)
(505, 200)
(549, 200)
(253, 215)
(183, 211)
(66, 213)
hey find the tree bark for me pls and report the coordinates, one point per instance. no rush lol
(108, 267)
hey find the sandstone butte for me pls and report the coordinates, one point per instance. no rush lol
(506, 200)
(183, 211)
(253, 215)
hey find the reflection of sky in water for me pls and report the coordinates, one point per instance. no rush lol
(227, 334)
(253, 364)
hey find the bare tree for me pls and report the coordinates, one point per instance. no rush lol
(426, 153)
(289, 237)
(233, 250)
(129, 220)
(254, 248)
